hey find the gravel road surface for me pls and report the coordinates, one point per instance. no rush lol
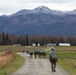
(37, 66)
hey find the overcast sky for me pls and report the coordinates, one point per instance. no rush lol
(12, 6)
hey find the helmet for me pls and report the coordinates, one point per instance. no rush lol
(52, 48)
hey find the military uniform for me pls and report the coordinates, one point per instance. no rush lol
(53, 59)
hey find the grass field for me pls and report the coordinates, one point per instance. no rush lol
(68, 61)
(66, 57)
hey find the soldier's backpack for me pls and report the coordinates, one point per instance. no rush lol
(53, 56)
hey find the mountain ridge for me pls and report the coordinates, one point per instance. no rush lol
(44, 9)
(39, 21)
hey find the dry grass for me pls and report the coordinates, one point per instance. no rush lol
(5, 58)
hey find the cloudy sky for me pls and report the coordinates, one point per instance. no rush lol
(11, 6)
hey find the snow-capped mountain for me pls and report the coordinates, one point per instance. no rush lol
(40, 21)
(44, 9)
(71, 12)
(40, 9)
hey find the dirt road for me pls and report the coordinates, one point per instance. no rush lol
(37, 66)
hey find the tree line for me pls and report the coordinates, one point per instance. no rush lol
(28, 40)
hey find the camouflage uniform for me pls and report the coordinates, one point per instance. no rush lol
(35, 53)
(31, 54)
(53, 59)
(44, 54)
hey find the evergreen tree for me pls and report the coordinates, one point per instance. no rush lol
(3, 38)
(27, 43)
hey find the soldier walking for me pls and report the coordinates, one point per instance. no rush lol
(53, 59)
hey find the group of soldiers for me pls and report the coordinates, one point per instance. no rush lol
(42, 54)
(37, 53)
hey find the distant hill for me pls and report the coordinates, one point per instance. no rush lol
(40, 21)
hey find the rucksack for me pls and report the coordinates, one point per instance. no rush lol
(53, 55)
